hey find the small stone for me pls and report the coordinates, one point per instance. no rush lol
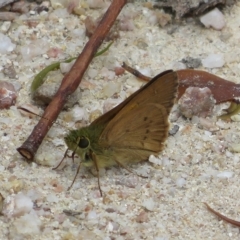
(8, 95)
(65, 67)
(214, 19)
(17, 205)
(6, 44)
(191, 62)
(149, 204)
(225, 174)
(196, 101)
(10, 71)
(92, 215)
(110, 89)
(16, 185)
(5, 26)
(213, 61)
(95, 4)
(45, 93)
(20, 6)
(142, 217)
(180, 182)
(28, 224)
(8, 16)
(235, 147)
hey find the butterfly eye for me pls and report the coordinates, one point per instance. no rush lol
(83, 142)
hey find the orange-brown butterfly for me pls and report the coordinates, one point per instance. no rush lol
(131, 131)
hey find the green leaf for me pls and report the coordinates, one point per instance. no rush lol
(40, 77)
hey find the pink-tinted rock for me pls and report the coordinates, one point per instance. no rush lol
(196, 101)
(142, 217)
(8, 95)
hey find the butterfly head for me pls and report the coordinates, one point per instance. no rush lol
(83, 142)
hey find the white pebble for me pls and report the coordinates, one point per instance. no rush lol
(65, 67)
(2, 168)
(110, 88)
(107, 74)
(59, 13)
(213, 61)
(235, 118)
(180, 182)
(78, 33)
(28, 224)
(109, 227)
(178, 65)
(235, 147)
(6, 44)
(92, 215)
(33, 49)
(149, 204)
(225, 174)
(92, 73)
(17, 205)
(228, 154)
(78, 113)
(5, 26)
(214, 19)
(52, 198)
(23, 204)
(96, 4)
(155, 160)
(152, 19)
(110, 104)
(165, 161)
(145, 71)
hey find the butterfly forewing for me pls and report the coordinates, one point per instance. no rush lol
(142, 123)
(147, 131)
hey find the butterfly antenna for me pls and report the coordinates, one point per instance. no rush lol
(97, 169)
(121, 165)
(135, 72)
(26, 110)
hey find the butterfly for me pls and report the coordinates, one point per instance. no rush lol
(131, 131)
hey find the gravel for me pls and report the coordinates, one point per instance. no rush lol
(197, 164)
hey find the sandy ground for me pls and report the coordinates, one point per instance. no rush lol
(196, 166)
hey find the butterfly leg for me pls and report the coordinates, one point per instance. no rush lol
(64, 156)
(93, 157)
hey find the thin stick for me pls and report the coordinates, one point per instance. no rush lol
(229, 220)
(71, 81)
(135, 72)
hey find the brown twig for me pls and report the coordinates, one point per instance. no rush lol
(71, 81)
(229, 220)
